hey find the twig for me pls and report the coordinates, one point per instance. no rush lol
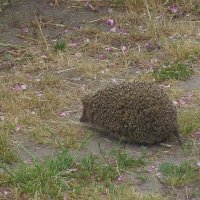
(166, 145)
(186, 193)
(40, 29)
(95, 20)
(188, 21)
(27, 38)
(9, 45)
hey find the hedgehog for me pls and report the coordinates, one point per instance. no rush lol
(137, 112)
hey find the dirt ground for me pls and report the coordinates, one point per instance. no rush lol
(60, 19)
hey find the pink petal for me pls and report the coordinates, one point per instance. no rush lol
(121, 178)
(109, 49)
(123, 32)
(73, 44)
(25, 30)
(175, 103)
(44, 56)
(114, 80)
(150, 67)
(124, 48)
(88, 5)
(39, 94)
(18, 127)
(23, 87)
(113, 30)
(29, 161)
(2, 118)
(173, 8)
(158, 174)
(196, 135)
(63, 114)
(110, 22)
(20, 87)
(101, 57)
(165, 86)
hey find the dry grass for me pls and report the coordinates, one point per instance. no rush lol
(56, 80)
(47, 110)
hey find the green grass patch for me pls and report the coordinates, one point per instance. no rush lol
(189, 121)
(176, 71)
(178, 175)
(60, 45)
(125, 161)
(48, 179)
(51, 178)
(7, 154)
(126, 192)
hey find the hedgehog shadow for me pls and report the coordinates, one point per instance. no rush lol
(100, 133)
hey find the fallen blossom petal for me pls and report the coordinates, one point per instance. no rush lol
(25, 30)
(74, 44)
(173, 8)
(113, 30)
(196, 135)
(175, 103)
(72, 170)
(150, 67)
(121, 178)
(18, 127)
(123, 32)
(88, 5)
(158, 174)
(5, 193)
(23, 87)
(124, 48)
(86, 41)
(149, 46)
(165, 86)
(198, 163)
(153, 167)
(29, 161)
(114, 80)
(44, 56)
(63, 114)
(20, 87)
(2, 118)
(101, 57)
(109, 49)
(182, 102)
(110, 22)
(39, 94)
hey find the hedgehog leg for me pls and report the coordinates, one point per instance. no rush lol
(124, 145)
(179, 138)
